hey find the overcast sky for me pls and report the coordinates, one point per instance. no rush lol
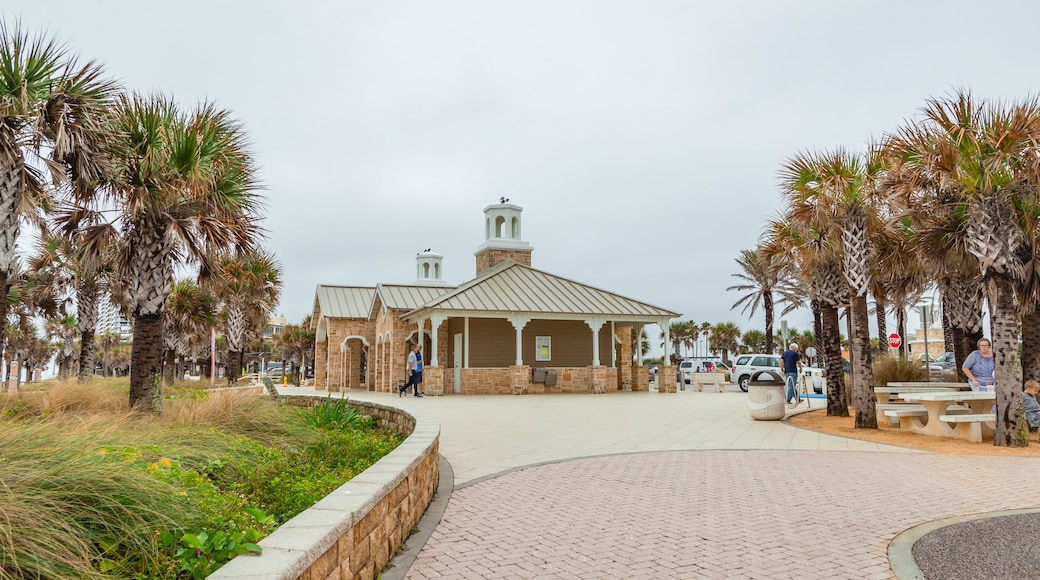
(641, 138)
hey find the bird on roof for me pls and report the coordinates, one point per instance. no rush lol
(503, 199)
(427, 250)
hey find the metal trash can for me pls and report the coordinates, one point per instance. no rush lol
(766, 396)
(538, 375)
(550, 378)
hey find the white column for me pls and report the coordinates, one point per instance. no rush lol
(613, 345)
(465, 343)
(595, 324)
(519, 322)
(435, 321)
(666, 360)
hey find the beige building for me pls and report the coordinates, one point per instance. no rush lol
(486, 335)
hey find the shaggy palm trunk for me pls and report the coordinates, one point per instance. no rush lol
(767, 307)
(901, 329)
(1031, 343)
(146, 363)
(11, 169)
(87, 312)
(882, 327)
(1011, 430)
(830, 346)
(862, 375)
(947, 327)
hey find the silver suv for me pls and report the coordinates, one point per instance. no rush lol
(747, 365)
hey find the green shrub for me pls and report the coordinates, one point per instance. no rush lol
(889, 369)
(329, 414)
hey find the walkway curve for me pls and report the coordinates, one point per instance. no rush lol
(714, 514)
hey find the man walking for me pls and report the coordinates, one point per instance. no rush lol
(414, 370)
(792, 366)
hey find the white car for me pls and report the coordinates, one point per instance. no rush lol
(747, 365)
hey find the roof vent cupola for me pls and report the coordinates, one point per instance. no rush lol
(502, 238)
(428, 268)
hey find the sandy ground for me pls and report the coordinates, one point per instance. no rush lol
(844, 427)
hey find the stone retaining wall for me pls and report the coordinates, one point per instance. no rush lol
(354, 531)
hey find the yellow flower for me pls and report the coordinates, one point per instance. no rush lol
(165, 462)
(182, 493)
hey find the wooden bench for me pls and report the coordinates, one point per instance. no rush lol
(970, 425)
(700, 380)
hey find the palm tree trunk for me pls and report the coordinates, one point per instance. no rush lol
(1031, 343)
(830, 346)
(947, 327)
(767, 307)
(882, 327)
(862, 374)
(146, 363)
(234, 367)
(87, 356)
(901, 329)
(169, 366)
(1011, 430)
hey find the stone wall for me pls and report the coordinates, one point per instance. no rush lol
(354, 531)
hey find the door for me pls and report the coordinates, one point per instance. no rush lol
(456, 358)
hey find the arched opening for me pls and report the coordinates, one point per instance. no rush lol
(516, 228)
(500, 227)
(437, 271)
(426, 271)
(487, 229)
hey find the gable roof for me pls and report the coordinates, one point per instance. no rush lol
(343, 301)
(511, 288)
(409, 296)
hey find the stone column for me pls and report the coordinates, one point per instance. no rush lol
(666, 378)
(520, 376)
(321, 365)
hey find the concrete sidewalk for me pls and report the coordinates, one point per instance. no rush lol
(686, 485)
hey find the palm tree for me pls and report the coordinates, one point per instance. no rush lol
(724, 337)
(42, 91)
(983, 156)
(63, 330)
(107, 342)
(189, 314)
(810, 252)
(753, 341)
(842, 188)
(185, 189)
(763, 279)
(249, 285)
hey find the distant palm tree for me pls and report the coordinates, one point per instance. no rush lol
(765, 287)
(190, 313)
(753, 341)
(249, 285)
(724, 337)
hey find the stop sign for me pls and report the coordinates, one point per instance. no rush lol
(894, 341)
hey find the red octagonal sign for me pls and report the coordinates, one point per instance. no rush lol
(894, 341)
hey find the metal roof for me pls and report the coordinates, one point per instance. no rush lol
(409, 296)
(345, 301)
(514, 288)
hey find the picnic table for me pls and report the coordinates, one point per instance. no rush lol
(936, 404)
(884, 394)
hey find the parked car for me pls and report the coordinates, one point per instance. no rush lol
(947, 361)
(749, 364)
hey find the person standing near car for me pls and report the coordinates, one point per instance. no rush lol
(792, 366)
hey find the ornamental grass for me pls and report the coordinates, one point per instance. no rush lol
(89, 489)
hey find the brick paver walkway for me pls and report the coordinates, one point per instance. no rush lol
(686, 485)
(711, 514)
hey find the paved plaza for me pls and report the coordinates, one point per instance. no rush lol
(686, 485)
